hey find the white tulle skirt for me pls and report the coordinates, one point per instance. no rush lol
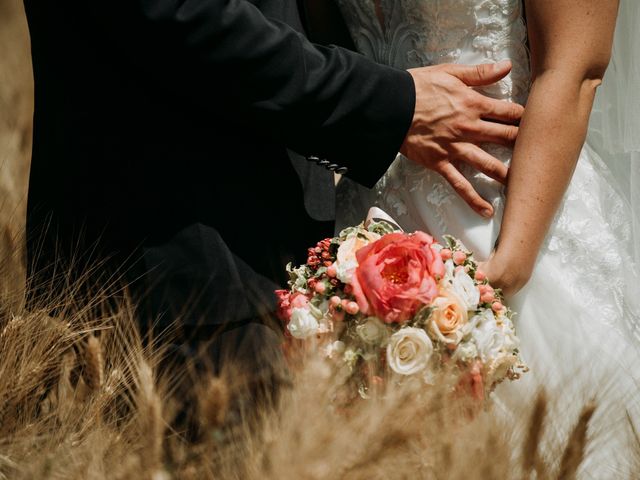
(578, 320)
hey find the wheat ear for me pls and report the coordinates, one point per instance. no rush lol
(530, 458)
(575, 449)
(93, 364)
(214, 403)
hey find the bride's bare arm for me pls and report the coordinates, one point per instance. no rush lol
(570, 50)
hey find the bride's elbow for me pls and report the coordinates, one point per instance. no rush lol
(594, 68)
(593, 76)
(586, 75)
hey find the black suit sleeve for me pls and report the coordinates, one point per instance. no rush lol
(226, 57)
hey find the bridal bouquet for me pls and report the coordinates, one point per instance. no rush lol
(383, 303)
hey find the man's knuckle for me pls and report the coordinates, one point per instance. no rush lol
(480, 72)
(489, 166)
(472, 100)
(467, 123)
(508, 133)
(459, 185)
(455, 129)
(459, 150)
(519, 109)
(440, 167)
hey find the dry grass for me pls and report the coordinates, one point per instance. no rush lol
(87, 396)
(16, 107)
(81, 395)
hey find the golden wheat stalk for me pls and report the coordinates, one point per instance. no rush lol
(213, 402)
(574, 451)
(93, 364)
(150, 420)
(530, 456)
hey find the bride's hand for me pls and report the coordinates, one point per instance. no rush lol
(509, 276)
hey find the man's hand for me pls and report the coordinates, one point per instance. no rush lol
(451, 119)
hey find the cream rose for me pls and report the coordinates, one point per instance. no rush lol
(466, 290)
(372, 331)
(346, 262)
(448, 319)
(409, 351)
(303, 323)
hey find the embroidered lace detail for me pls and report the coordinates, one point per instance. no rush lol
(385, 31)
(588, 237)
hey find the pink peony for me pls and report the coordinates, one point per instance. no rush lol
(397, 275)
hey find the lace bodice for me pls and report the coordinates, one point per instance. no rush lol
(414, 33)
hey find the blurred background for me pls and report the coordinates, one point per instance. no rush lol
(16, 110)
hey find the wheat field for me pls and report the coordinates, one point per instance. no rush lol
(82, 395)
(16, 107)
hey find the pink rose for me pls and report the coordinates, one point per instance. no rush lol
(287, 301)
(284, 305)
(397, 275)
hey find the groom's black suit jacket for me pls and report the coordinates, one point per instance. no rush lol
(161, 134)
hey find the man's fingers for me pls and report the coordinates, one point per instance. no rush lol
(482, 161)
(482, 74)
(502, 111)
(466, 191)
(491, 132)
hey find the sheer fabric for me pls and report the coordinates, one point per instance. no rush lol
(614, 130)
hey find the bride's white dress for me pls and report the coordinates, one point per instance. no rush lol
(578, 316)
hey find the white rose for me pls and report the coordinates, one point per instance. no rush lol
(466, 290)
(449, 269)
(372, 331)
(346, 262)
(346, 269)
(499, 368)
(465, 351)
(492, 340)
(409, 351)
(302, 324)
